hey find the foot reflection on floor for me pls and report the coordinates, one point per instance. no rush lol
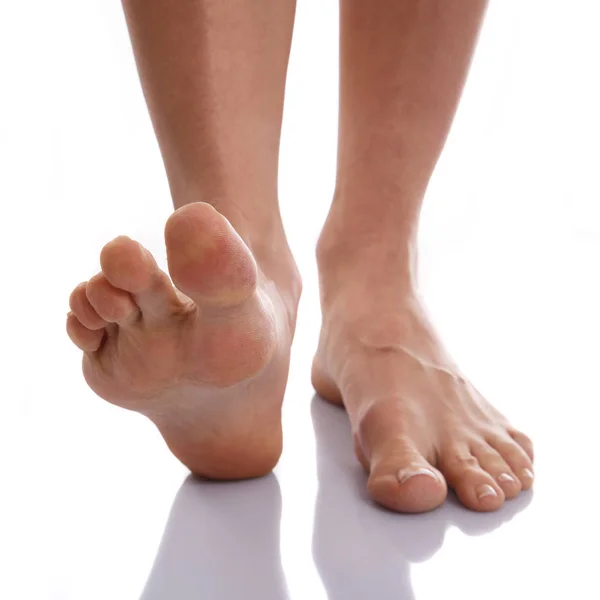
(221, 542)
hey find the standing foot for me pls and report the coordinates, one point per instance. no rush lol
(419, 424)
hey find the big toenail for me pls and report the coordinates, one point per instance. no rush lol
(528, 473)
(405, 474)
(485, 490)
(506, 477)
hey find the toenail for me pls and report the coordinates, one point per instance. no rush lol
(506, 477)
(405, 474)
(528, 473)
(485, 490)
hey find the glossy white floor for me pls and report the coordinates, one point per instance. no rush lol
(94, 506)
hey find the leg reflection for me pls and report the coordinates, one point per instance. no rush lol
(221, 542)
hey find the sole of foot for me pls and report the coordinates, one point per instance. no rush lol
(419, 425)
(203, 353)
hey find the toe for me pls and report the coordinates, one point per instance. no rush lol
(475, 488)
(112, 304)
(208, 260)
(83, 310)
(490, 461)
(128, 266)
(400, 478)
(85, 339)
(516, 457)
(523, 441)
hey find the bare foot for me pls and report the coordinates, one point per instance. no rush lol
(418, 423)
(206, 361)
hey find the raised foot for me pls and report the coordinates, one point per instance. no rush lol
(207, 360)
(419, 425)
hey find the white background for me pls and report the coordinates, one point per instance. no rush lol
(510, 254)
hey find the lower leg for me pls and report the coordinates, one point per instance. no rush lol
(213, 74)
(206, 360)
(418, 422)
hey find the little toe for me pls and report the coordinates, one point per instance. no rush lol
(516, 457)
(83, 310)
(112, 304)
(475, 488)
(85, 339)
(490, 461)
(128, 266)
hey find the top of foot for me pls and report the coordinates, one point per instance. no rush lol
(419, 425)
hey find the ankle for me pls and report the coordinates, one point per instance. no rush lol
(373, 279)
(351, 257)
(374, 220)
(266, 239)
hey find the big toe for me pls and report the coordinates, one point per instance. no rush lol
(400, 477)
(402, 480)
(405, 482)
(208, 261)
